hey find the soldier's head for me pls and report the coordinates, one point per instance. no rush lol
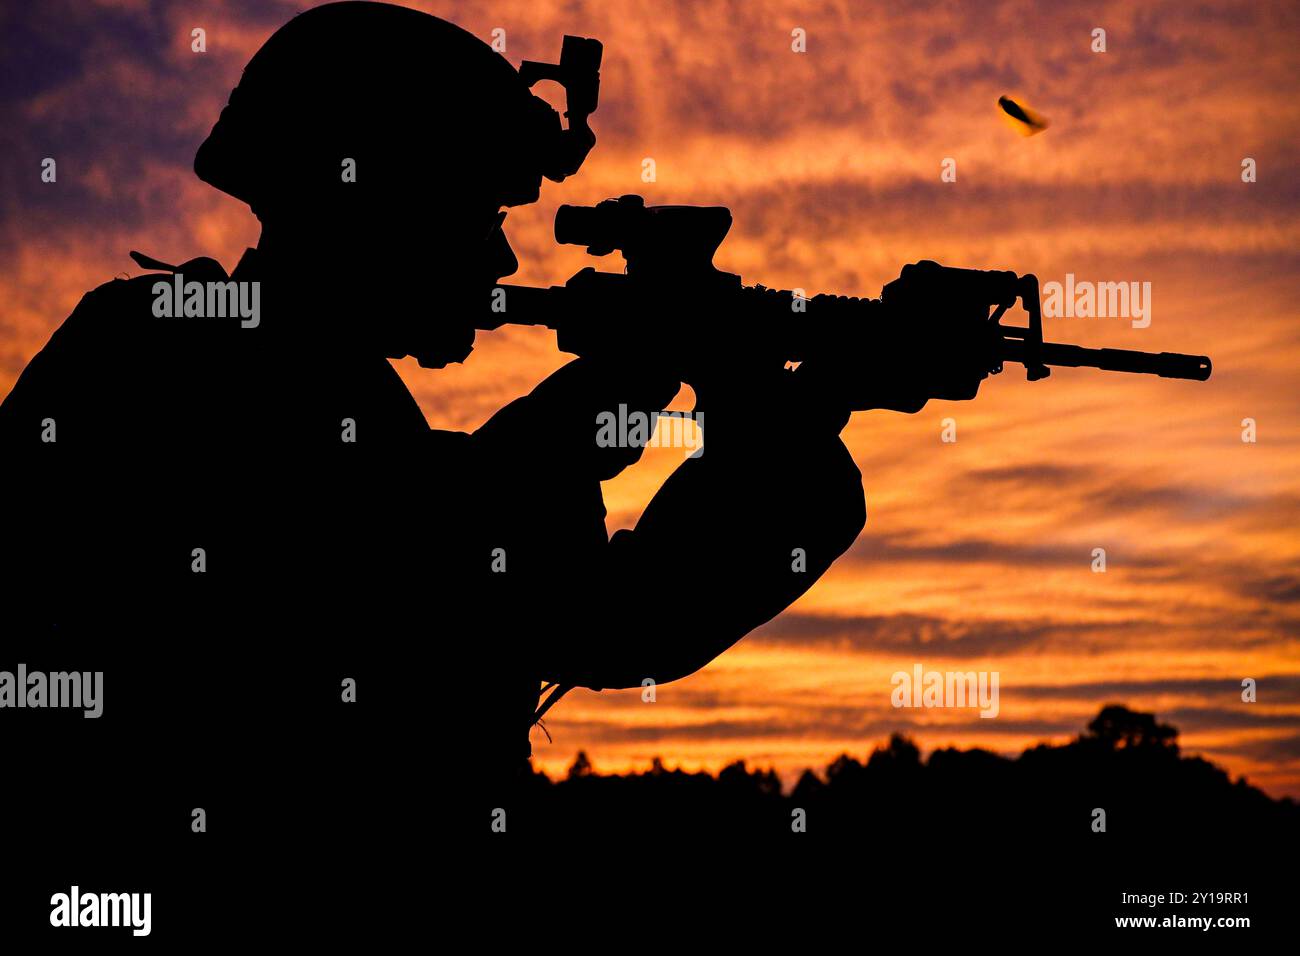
(378, 146)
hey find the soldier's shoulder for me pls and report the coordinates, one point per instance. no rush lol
(119, 289)
(116, 292)
(126, 301)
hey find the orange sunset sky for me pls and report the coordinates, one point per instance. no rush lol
(977, 554)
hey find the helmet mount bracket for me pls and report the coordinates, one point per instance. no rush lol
(578, 72)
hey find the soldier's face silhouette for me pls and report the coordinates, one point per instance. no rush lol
(455, 253)
(400, 274)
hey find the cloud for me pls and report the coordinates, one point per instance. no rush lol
(904, 634)
(1269, 750)
(1282, 689)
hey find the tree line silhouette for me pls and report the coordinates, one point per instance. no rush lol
(1126, 764)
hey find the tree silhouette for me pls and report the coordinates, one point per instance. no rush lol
(1126, 763)
(1117, 727)
(581, 766)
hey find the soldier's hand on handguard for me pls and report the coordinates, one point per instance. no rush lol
(929, 343)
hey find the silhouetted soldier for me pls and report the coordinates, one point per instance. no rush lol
(340, 536)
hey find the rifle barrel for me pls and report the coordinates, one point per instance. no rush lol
(1164, 364)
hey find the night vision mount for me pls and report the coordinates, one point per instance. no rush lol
(579, 73)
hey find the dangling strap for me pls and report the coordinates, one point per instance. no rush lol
(557, 691)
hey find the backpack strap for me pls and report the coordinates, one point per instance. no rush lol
(148, 262)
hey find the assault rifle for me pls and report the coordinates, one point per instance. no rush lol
(674, 308)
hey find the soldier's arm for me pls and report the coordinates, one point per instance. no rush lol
(730, 540)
